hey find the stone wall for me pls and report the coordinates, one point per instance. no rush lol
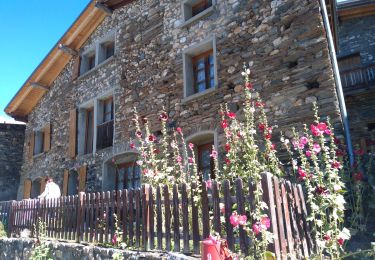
(21, 248)
(358, 35)
(12, 137)
(283, 42)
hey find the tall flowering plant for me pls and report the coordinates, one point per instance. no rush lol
(317, 166)
(250, 152)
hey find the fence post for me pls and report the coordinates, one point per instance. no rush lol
(79, 215)
(11, 217)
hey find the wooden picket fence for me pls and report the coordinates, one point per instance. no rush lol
(169, 220)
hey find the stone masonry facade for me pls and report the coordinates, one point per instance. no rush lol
(283, 42)
(357, 35)
(12, 138)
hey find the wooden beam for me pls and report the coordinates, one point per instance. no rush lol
(104, 8)
(37, 85)
(67, 50)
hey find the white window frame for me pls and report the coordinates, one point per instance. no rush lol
(188, 71)
(99, 52)
(96, 104)
(186, 11)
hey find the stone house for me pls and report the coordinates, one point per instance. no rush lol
(12, 137)
(183, 55)
(355, 38)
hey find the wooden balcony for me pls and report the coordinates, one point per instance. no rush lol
(104, 135)
(358, 79)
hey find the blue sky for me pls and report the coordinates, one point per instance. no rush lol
(29, 29)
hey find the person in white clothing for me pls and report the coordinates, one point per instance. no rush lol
(52, 190)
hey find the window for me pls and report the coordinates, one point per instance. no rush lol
(195, 9)
(205, 161)
(106, 50)
(87, 62)
(39, 142)
(200, 69)
(89, 133)
(72, 183)
(105, 124)
(204, 73)
(200, 6)
(203, 143)
(128, 176)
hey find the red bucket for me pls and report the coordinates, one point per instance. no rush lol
(215, 250)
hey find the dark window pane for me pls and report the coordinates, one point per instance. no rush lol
(200, 64)
(211, 59)
(212, 83)
(201, 87)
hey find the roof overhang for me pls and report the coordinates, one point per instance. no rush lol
(55, 61)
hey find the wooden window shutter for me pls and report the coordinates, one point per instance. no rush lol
(77, 67)
(47, 137)
(65, 182)
(31, 145)
(26, 189)
(42, 185)
(72, 133)
(82, 178)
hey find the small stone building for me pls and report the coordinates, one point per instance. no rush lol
(12, 137)
(356, 56)
(183, 55)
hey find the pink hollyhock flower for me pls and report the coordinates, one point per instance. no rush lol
(227, 147)
(231, 115)
(214, 154)
(337, 141)
(308, 153)
(359, 152)
(301, 174)
(303, 140)
(209, 184)
(114, 239)
(261, 127)
(317, 148)
(358, 176)
(152, 138)
(138, 134)
(222, 207)
(249, 86)
(268, 136)
(315, 130)
(336, 165)
(328, 131)
(233, 219)
(259, 104)
(321, 190)
(224, 124)
(327, 237)
(273, 146)
(227, 161)
(156, 151)
(239, 134)
(179, 159)
(191, 146)
(163, 117)
(340, 241)
(190, 160)
(179, 130)
(132, 146)
(242, 219)
(256, 228)
(265, 222)
(322, 126)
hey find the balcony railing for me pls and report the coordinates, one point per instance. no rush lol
(358, 78)
(105, 135)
